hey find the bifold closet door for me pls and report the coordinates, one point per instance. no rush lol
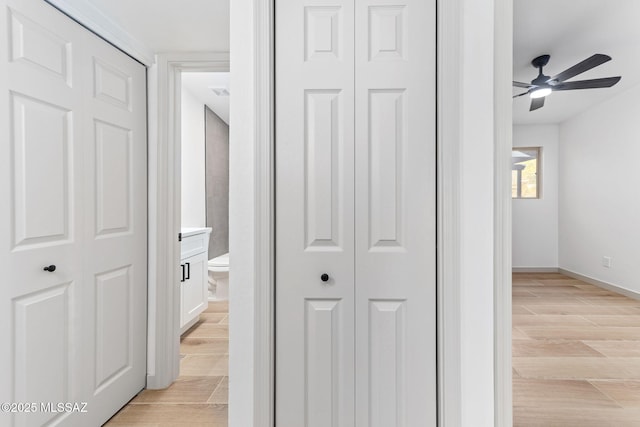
(355, 185)
(314, 218)
(114, 305)
(395, 183)
(73, 191)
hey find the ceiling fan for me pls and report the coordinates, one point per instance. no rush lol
(543, 85)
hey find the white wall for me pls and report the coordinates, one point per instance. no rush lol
(600, 191)
(193, 161)
(535, 221)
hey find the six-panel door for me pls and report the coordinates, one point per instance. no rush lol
(355, 185)
(73, 193)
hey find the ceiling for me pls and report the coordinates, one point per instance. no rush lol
(571, 31)
(200, 85)
(568, 30)
(172, 26)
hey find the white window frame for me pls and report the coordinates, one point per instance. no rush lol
(538, 151)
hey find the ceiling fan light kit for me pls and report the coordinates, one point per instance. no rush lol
(540, 92)
(543, 85)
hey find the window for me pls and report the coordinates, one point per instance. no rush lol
(525, 173)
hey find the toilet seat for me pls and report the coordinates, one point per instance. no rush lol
(219, 263)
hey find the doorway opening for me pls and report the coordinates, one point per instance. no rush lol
(204, 302)
(575, 288)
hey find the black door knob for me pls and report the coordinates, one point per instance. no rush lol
(50, 268)
(324, 277)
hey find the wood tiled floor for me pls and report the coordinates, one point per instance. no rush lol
(200, 395)
(576, 354)
(576, 360)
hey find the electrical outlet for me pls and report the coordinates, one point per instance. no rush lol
(606, 261)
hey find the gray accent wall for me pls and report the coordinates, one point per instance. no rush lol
(217, 182)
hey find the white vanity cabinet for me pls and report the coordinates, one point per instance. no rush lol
(193, 275)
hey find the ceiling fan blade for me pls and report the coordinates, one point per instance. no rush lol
(587, 64)
(522, 85)
(536, 103)
(588, 84)
(522, 94)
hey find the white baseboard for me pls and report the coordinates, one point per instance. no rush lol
(535, 269)
(189, 324)
(608, 286)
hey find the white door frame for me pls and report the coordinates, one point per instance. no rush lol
(456, 66)
(503, 76)
(164, 79)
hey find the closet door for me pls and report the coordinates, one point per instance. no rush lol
(314, 218)
(113, 310)
(355, 185)
(395, 183)
(41, 212)
(72, 118)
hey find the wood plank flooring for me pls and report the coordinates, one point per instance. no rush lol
(576, 354)
(576, 360)
(199, 397)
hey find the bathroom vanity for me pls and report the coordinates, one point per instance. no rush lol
(193, 275)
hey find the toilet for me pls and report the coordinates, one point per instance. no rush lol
(219, 278)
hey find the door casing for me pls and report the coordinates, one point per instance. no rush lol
(165, 165)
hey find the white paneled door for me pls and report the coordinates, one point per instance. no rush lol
(355, 212)
(72, 221)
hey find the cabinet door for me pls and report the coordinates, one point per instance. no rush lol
(194, 288)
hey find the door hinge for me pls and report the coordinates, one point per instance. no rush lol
(179, 237)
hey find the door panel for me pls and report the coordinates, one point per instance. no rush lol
(74, 174)
(41, 218)
(314, 219)
(387, 350)
(324, 170)
(395, 210)
(323, 362)
(113, 148)
(39, 48)
(113, 337)
(386, 130)
(42, 177)
(43, 327)
(112, 85)
(115, 232)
